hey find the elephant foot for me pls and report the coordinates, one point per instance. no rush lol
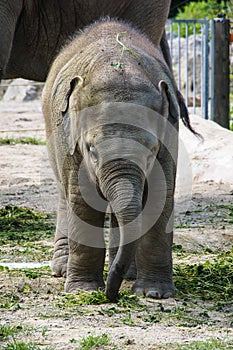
(91, 286)
(59, 262)
(154, 289)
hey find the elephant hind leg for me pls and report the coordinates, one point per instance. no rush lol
(61, 248)
(60, 256)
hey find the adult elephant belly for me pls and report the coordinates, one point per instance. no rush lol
(43, 28)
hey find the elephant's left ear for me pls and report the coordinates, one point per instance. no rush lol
(170, 106)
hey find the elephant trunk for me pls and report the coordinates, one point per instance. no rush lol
(123, 187)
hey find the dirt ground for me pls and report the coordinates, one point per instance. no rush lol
(27, 180)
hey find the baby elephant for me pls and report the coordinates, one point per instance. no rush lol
(111, 115)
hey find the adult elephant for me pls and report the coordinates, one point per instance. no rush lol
(33, 32)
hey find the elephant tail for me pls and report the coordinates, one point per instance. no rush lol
(184, 114)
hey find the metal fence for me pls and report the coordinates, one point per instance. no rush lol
(189, 45)
(200, 57)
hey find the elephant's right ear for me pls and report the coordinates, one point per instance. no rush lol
(64, 98)
(76, 82)
(69, 112)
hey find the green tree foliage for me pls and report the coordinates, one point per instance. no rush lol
(196, 10)
(205, 9)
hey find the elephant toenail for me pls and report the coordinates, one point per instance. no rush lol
(153, 294)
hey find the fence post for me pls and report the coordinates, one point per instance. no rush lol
(220, 70)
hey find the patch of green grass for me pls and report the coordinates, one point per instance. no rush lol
(30, 273)
(6, 330)
(211, 344)
(93, 342)
(223, 211)
(211, 214)
(36, 273)
(17, 345)
(126, 299)
(110, 311)
(152, 318)
(82, 298)
(188, 314)
(129, 301)
(23, 224)
(22, 141)
(27, 251)
(184, 317)
(73, 340)
(128, 320)
(9, 300)
(208, 281)
(177, 248)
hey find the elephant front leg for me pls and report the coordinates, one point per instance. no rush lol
(154, 264)
(61, 248)
(86, 248)
(85, 268)
(154, 254)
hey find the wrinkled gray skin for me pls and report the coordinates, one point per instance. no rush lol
(33, 32)
(108, 113)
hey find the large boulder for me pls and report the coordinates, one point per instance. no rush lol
(203, 162)
(210, 159)
(22, 90)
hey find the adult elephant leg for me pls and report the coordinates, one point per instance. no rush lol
(9, 13)
(114, 241)
(148, 16)
(61, 248)
(154, 255)
(86, 244)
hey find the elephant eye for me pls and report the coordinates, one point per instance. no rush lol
(93, 153)
(154, 150)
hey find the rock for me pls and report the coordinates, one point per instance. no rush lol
(4, 84)
(202, 162)
(22, 90)
(210, 159)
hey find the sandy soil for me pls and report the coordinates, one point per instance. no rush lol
(26, 180)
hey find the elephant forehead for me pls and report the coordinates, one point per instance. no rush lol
(119, 147)
(122, 135)
(125, 114)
